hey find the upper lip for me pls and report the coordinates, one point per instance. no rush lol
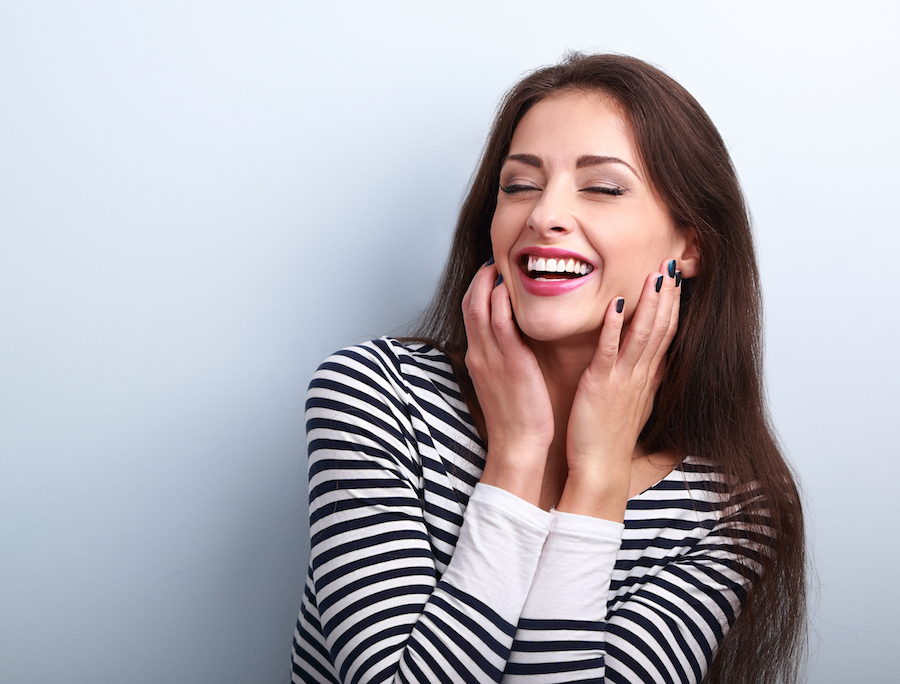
(550, 252)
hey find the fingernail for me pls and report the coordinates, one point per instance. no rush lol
(659, 283)
(677, 278)
(489, 261)
(672, 268)
(620, 305)
(499, 280)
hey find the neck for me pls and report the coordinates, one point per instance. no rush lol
(562, 364)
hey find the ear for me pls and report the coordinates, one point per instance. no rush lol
(689, 259)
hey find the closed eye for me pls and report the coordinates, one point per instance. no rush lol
(604, 190)
(513, 189)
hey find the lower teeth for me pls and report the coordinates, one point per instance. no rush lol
(557, 276)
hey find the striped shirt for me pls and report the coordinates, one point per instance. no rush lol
(419, 574)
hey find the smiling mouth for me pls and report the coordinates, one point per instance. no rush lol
(540, 268)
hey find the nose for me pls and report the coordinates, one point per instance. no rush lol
(553, 215)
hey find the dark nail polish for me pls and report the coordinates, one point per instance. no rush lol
(499, 280)
(489, 261)
(620, 305)
(659, 283)
(677, 278)
(672, 268)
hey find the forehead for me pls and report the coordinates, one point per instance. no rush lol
(575, 122)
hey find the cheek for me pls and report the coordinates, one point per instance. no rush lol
(501, 226)
(625, 270)
(503, 242)
(650, 244)
(497, 239)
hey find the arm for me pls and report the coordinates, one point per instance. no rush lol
(511, 390)
(385, 614)
(562, 632)
(615, 397)
(670, 622)
(560, 636)
(669, 629)
(680, 579)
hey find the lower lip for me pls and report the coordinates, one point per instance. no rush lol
(552, 288)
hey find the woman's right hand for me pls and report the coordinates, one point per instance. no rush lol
(510, 387)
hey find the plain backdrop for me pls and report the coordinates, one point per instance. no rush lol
(200, 200)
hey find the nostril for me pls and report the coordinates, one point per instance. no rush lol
(558, 229)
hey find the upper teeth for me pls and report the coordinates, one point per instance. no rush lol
(558, 265)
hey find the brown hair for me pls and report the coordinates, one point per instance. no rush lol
(710, 403)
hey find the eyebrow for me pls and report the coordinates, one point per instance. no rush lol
(597, 160)
(529, 159)
(583, 161)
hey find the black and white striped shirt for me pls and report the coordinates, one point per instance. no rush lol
(417, 575)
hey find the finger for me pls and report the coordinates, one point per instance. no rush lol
(641, 327)
(610, 336)
(505, 331)
(666, 322)
(467, 297)
(673, 328)
(477, 304)
(663, 320)
(676, 309)
(659, 375)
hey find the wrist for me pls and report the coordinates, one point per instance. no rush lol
(596, 492)
(522, 478)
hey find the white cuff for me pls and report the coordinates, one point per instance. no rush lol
(572, 578)
(498, 550)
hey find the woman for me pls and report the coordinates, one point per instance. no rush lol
(570, 475)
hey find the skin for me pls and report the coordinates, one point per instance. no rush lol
(566, 382)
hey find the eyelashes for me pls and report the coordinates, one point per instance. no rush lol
(514, 189)
(611, 190)
(604, 190)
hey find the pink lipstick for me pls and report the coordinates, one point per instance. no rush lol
(550, 271)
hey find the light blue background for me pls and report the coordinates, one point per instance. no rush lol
(200, 200)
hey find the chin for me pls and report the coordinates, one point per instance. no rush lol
(554, 331)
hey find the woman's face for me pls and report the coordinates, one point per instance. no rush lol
(573, 191)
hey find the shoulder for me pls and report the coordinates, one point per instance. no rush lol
(711, 482)
(730, 494)
(740, 510)
(695, 516)
(389, 362)
(388, 353)
(391, 401)
(697, 493)
(693, 481)
(388, 371)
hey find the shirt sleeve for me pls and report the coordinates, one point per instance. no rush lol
(384, 613)
(559, 637)
(666, 630)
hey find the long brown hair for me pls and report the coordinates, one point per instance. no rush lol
(711, 402)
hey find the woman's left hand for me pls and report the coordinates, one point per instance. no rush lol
(615, 397)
